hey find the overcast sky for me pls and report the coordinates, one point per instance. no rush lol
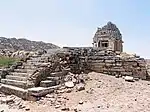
(74, 22)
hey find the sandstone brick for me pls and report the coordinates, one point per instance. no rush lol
(109, 61)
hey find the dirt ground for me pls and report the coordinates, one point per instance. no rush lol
(103, 93)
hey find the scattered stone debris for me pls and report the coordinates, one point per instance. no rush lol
(80, 87)
(129, 78)
(2, 111)
(65, 109)
(80, 102)
(27, 109)
(7, 100)
(69, 84)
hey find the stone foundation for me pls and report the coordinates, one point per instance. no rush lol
(91, 59)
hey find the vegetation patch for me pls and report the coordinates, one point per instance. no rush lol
(7, 61)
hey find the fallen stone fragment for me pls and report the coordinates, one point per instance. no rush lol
(117, 76)
(27, 109)
(7, 100)
(69, 84)
(99, 86)
(65, 109)
(98, 106)
(80, 87)
(90, 91)
(136, 79)
(129, 78)
(57, 106)
(49, 96)
(68, 90)
(74, 80)
(21, 106)
(60, 91)
(80, 102)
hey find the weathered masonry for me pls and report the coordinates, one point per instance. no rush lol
(108, 62)
(108, 38)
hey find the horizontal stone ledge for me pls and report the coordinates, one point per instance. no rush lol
(126, 73)
(97, 64)
(117, 70)
(95, 61)
(109, 61)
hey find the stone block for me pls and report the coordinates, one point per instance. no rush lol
(117, 69)
(95, 61)
(18, 78)
(39, 91)
(21, 84)
(8, 89)
(97, 64)
(47, 83)
(109, 61)
(19, 74)
(126, 73)
(109, 64)
(57, 74)
(128, 63)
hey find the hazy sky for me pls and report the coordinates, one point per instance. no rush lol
(74, 22)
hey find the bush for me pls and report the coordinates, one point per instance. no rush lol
(7, 61)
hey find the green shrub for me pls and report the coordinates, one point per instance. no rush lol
(7, 61)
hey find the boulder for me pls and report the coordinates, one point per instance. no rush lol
(129, 78)
(80, 87)
(69, 84)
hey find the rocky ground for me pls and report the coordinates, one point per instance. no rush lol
(101, 93)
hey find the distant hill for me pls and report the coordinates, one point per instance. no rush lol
(24, 44)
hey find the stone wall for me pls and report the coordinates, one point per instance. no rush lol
(109, 62)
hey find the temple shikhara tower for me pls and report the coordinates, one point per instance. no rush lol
(108, 38)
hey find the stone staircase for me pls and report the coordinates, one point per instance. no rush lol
(17, 82)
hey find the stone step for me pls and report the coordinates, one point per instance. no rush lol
(19, 74)
(47, 83)
(29, 67)
(57, 74)
(18, 78)
(41, 91)
(32, 61)
(21, 84)
(35, 59)
(24, 70)
(36, 64)
(20, 67)
(29, 64)
(35, 56)
(9, 89)
(27, 94)
(53, 78)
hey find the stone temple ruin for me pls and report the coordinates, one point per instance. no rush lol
(42, 73)
(108, 38)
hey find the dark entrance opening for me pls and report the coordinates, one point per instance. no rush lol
(105, 43)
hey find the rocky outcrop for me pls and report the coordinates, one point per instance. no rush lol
(14, 44)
